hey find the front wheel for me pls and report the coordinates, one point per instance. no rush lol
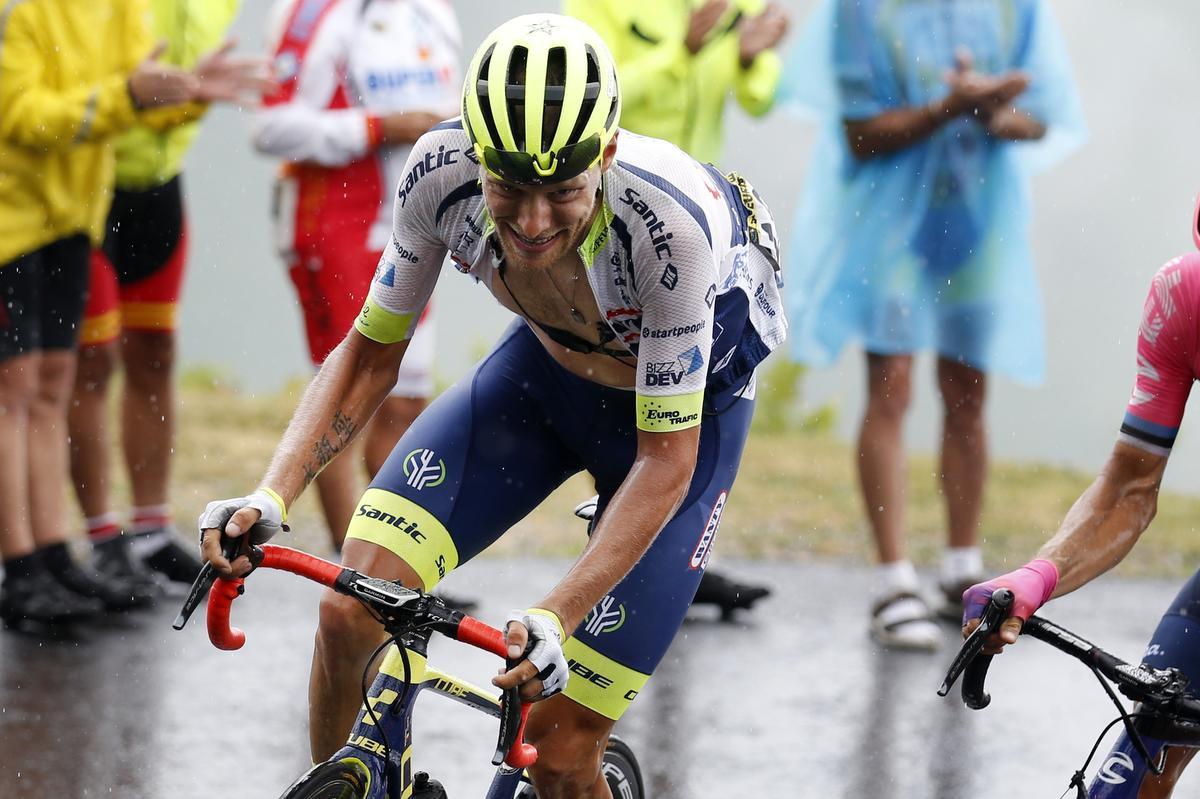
(344, 779)
(620, 768)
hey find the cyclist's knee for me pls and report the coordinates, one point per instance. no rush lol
(566, 768)
(570, 740)
(344, 625)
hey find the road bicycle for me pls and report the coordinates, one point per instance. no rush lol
(1166, 711)
(377, 760)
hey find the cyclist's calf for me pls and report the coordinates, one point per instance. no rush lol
(570, 740)
(346, 636)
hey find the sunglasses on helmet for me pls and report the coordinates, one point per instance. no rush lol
(523, 168)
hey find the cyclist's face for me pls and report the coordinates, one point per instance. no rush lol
(538, 225)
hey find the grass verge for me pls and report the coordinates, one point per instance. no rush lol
(796, 495)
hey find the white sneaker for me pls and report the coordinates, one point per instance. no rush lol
(903, 620)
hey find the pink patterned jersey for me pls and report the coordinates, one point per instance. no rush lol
(1168, 356)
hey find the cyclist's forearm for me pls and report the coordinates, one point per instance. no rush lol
(338, 403)
(646, 501)
(1106, 521)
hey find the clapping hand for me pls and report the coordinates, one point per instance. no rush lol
(153, 83)
(761, 32)
(701, 22)
(976, 94)
(221, 77)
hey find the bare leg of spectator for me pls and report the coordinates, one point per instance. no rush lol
(47, 453)
(147, 436)
(394, 416)
(90, 470)
(899, 616)
(339, 490)
(48, 473)
(963, 473)
(881, 451)
(148, 413)
(29, 593)
(18, 383)
(88, 425)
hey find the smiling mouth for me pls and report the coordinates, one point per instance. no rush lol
(540, 244)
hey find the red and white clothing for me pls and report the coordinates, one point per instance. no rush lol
(341, 65)
(1168, 359)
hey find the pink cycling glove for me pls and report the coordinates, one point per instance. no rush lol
(1032, 585)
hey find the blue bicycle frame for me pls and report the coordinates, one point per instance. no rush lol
(381, 740)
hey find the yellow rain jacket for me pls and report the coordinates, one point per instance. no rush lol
(64, 66)
(148, 157)
(667, 92)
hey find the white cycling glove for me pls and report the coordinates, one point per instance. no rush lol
(546, 654)
(269, 504)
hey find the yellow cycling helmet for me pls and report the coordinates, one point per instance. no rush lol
(540, 99)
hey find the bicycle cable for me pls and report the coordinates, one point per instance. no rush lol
(370, 708)
(1126, 719)
(1138, 743)
(1077, 778)
(406, 685)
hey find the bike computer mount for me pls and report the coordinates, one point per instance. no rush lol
(383, 592)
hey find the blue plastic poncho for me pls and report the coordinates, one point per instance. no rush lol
(927, 248)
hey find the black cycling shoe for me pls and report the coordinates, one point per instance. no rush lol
(726, 594)
(112, 559)
(39, 598)
(114, 594)
(171, 559)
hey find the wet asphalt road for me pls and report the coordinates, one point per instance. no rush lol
(793, 700)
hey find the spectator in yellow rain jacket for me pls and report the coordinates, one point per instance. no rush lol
(130, 320)
(678, 63)
(72, 75)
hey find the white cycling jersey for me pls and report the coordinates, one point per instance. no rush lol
(682, 262)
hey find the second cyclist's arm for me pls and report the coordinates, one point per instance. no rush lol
(1107, 519)
(647, 499)
(342, 397)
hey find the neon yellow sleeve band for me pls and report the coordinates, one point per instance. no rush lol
(379, 324)
(270, 492)
(549, 614)
(664, 414)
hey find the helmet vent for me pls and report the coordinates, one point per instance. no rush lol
(481, 89)
(514, 94)
(556, 89)
(591, 94)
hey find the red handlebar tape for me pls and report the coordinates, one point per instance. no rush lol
(224, 591)
(470, 631)
(301, 563)
(219, 599)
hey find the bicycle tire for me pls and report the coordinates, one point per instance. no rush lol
(621, 770)
(336, 780)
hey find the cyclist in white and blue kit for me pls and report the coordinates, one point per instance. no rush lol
(648, 292)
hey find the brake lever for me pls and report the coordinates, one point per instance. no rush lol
(968, 656)
(511, 750)
(208, 575)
